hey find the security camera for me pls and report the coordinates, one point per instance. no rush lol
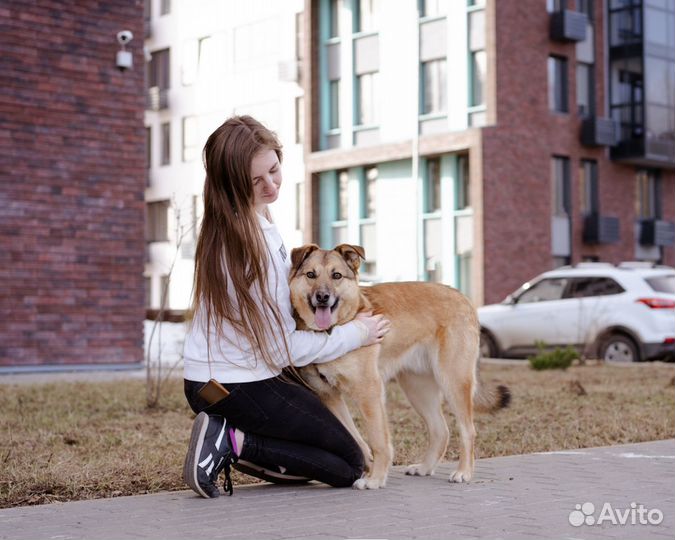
(124, 59)
(124, 37)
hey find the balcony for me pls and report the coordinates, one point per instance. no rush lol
(601, 229)
(157, 99)
(657, 232)
(598, 131)
(568, 25)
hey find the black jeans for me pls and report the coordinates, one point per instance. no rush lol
(286, 424)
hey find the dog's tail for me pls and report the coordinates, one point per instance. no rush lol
(490, 400)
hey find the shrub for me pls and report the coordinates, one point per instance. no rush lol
(556, 359)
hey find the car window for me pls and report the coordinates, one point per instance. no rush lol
(593, 286)
(664, 284)
(544, 290)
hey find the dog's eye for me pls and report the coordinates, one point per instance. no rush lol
(311, 275)
(337, 275)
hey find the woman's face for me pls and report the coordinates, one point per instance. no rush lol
(266, 178)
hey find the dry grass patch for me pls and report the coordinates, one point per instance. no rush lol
(69, 441)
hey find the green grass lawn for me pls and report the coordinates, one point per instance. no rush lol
(70, 441)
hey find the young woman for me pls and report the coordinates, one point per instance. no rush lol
(243, 333)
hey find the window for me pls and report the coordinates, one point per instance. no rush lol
(366, 111)
(664, 284)
(343, 195)
(585, 87)
(299, 36)
(434, 87)
(334, 99)
(158, 70)
(190, 138)
(433, 8)
(148, 147)
(588, 187)
(560, 176)
(594, 286)
(478, 63)
(157, 223)
(165, 155)
(646, 201)
(339, 226)
(299, 119)
(334, 16)
(433, 186)
(366, 15)
(164, 7)
(367, 225)
(557, 84)
(463, 183)
(368, 193)
(544, 291)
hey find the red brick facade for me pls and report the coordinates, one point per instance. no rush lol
(517, 157)
(72, 169)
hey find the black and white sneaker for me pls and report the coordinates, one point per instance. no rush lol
(208, 454)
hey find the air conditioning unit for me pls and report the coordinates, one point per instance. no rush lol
(599, 131)
(657, 232)
(568, 25)
(601, 229)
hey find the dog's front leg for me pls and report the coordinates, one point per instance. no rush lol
(370, 399)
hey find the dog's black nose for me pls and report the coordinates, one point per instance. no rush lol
(322, 298)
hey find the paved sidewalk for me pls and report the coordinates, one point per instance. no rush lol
(528, 496)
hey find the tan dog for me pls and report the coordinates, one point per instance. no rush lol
(432, 350)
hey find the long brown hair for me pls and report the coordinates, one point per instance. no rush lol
(231, 259)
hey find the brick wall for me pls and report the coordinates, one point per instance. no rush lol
(72, 170)
(518, 150)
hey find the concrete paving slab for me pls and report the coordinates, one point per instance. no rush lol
(581, 494)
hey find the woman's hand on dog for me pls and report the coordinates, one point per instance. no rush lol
(376, 325)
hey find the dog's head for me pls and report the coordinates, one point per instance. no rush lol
(325, 284)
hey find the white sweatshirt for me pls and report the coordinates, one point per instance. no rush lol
(233, 360)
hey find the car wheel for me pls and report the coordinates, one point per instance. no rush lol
(618, 348)
(488, 347)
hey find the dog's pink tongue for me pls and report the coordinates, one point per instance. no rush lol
(322, 318)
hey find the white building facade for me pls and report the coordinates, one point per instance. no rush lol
(208, 60)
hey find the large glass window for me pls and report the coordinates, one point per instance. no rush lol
(588, 187)
(560, 177)
(585, 89)
(334, 104)
(645, 195)
(433, 186)
(557, 84)
(366, 86)
(434, 86)
(463, 183)
(433, 8)
(334, 16)
(165, 153)
(366, 12)
(544, 291)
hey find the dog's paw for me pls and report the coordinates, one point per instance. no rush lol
(369, 483)
(418, 469)
(460, 476)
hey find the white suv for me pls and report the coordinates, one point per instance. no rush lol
(621, 314)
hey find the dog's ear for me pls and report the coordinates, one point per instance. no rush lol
(352, 255)
(298, 256)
